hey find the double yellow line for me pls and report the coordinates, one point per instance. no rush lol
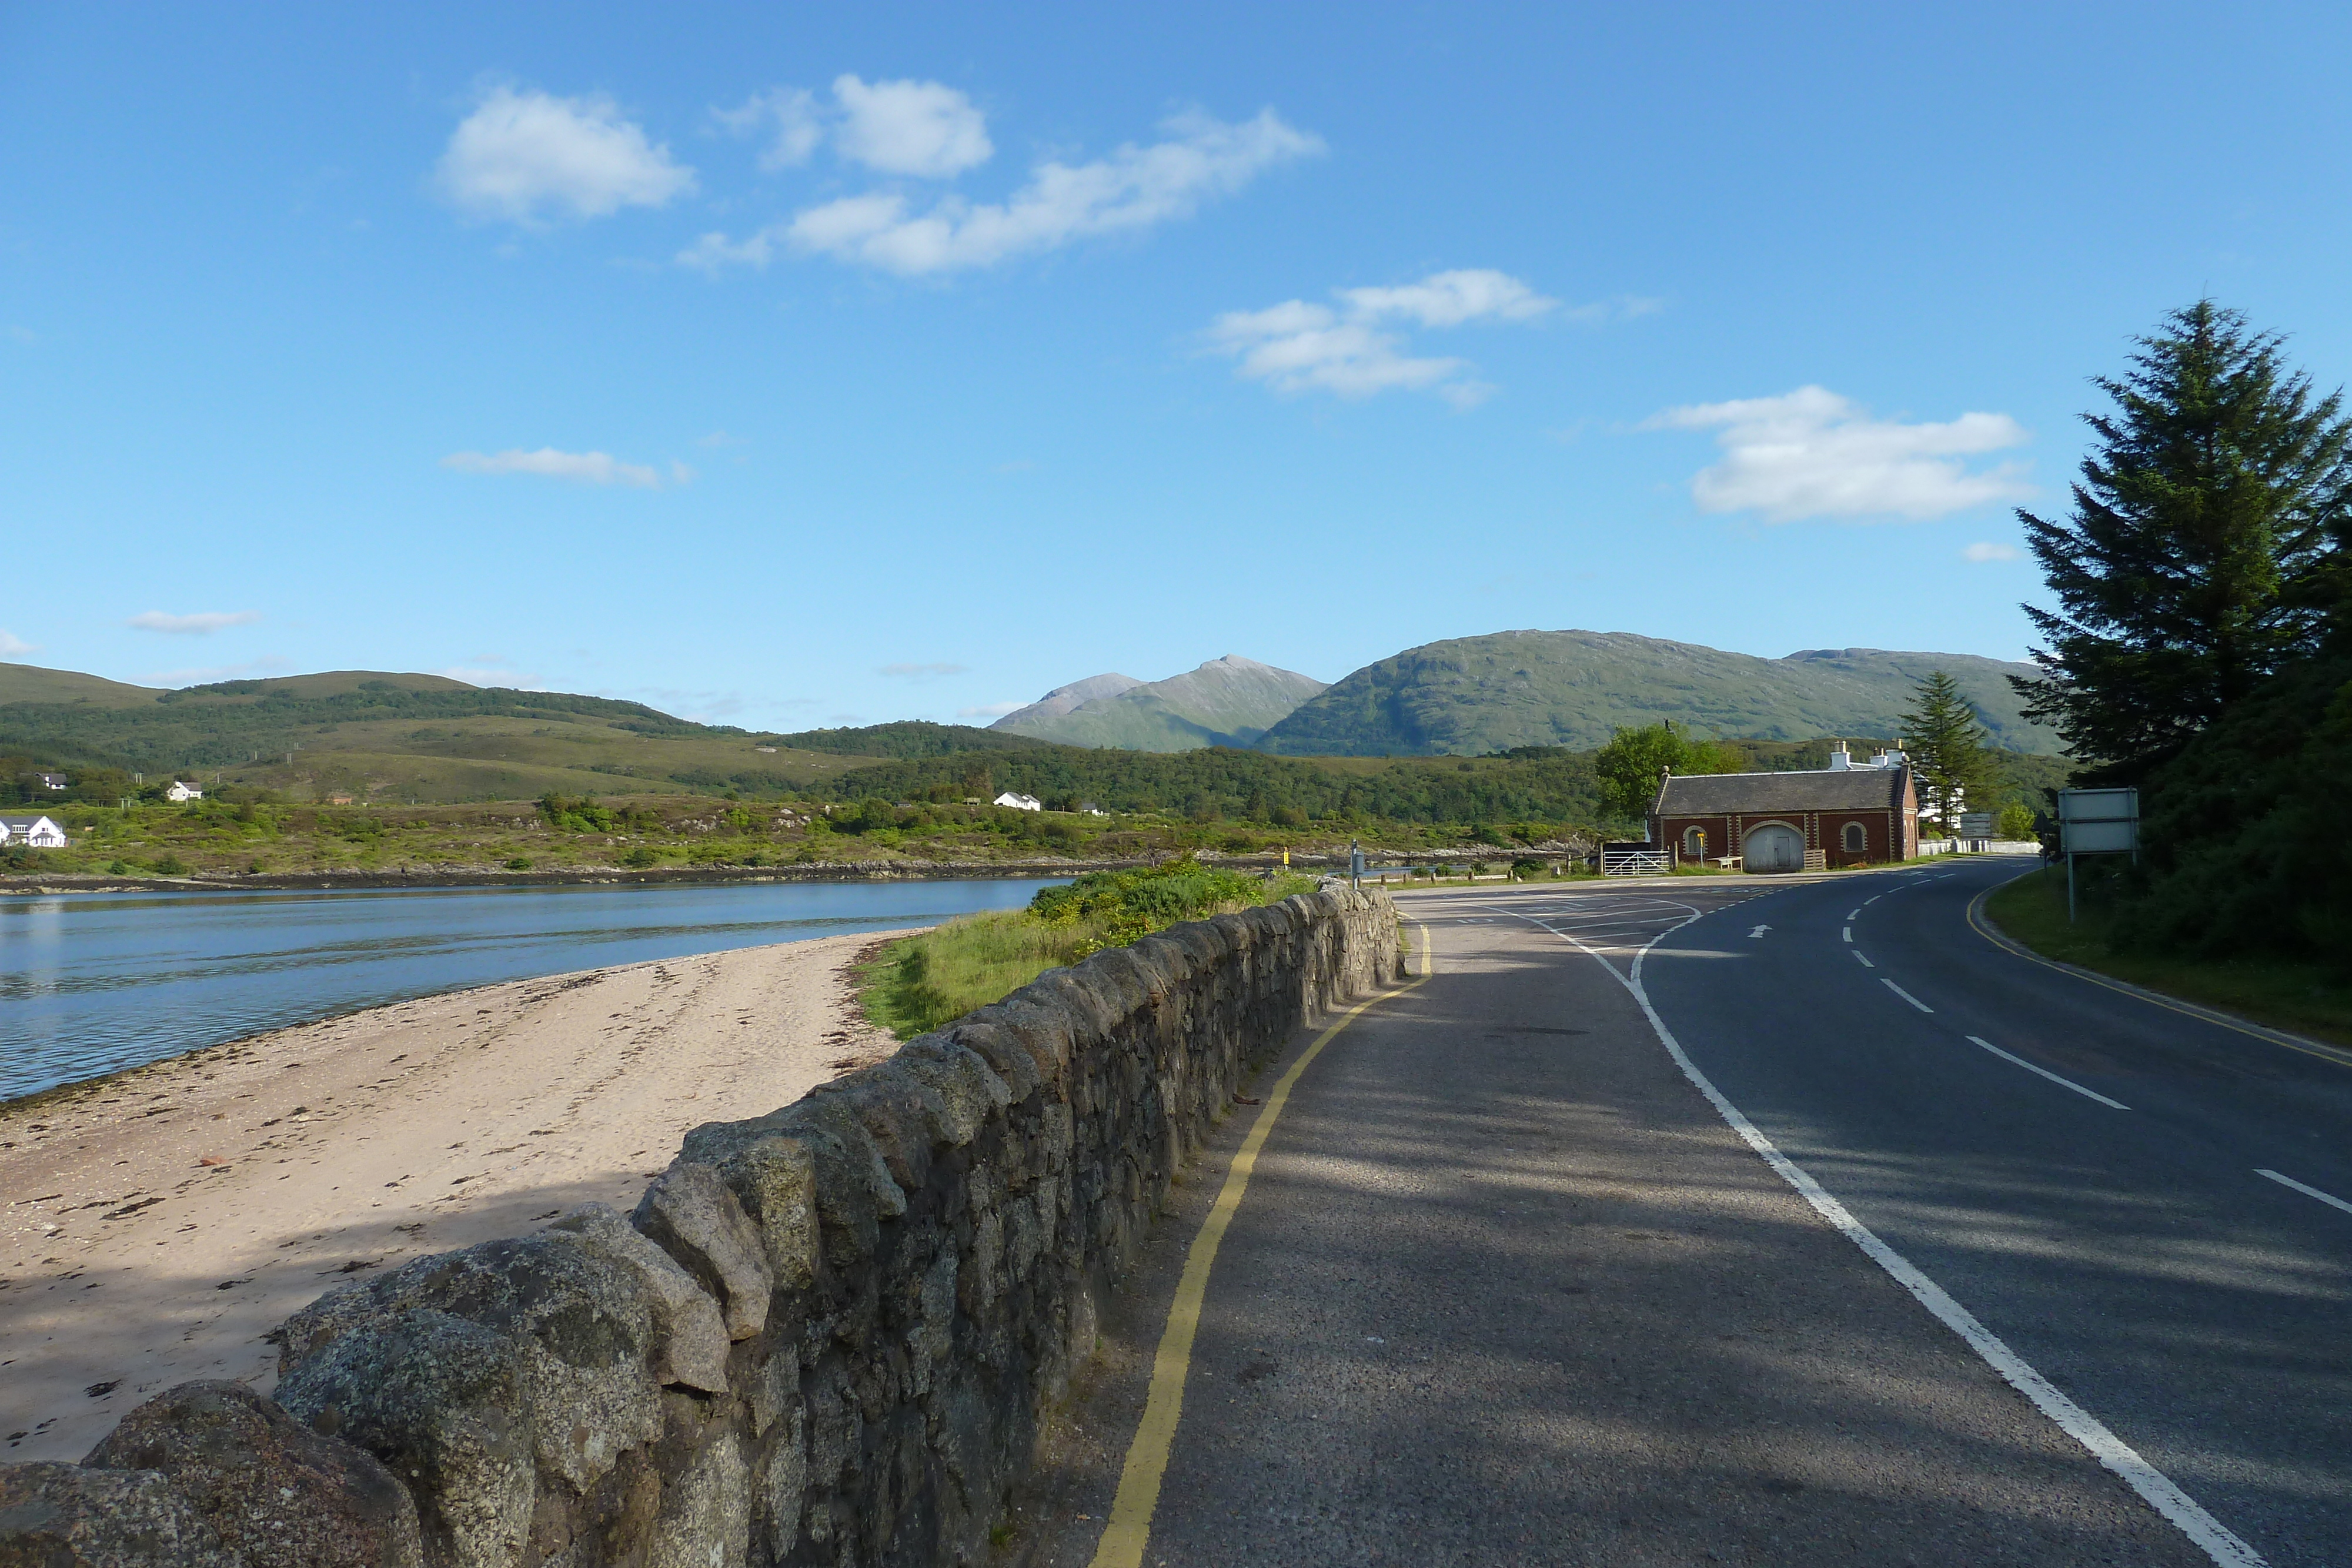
(1130, 1529)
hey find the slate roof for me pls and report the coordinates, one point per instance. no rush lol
(1756, 794)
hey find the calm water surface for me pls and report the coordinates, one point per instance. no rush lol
(91, 983)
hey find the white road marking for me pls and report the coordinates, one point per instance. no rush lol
(1874, 898)
(2157, 1489)
(1849, 933)
(2062, 1083)
(1758, 932)
(1906, 995)
(1865, 963)
(1854, 914)
(2307, 1191)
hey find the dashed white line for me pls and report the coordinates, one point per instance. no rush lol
(2307, 1191)
(1865, 963)
(1874, 898)
(2045, 1073)
(1849, 933)
(1906, 995)
(2157, 1489)
(1854, 914)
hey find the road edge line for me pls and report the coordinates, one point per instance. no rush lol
(1981, 923)
(2154, 1488)
(1129, 1530)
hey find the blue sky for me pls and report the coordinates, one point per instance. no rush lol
(781, 367)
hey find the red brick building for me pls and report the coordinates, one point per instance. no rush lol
(1789, 821)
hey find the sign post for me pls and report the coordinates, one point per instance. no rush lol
(2096, 822)
(1355, 863)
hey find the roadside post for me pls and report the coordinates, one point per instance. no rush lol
(2096, 822)
(1355, 864)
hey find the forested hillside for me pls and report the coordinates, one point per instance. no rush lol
(1471, 696)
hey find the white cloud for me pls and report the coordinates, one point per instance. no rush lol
(791, 112)
(990, 710)
(1355, 351)
(587, 467)
(922, 128)
(682, 473)
(923, 671)
(201, 624)
(1450, 298)
(1132, 189)
(1812, 454)
(1990, 551)
(11, 644)
(522, 153)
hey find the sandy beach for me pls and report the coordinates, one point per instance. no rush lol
(154, 1225)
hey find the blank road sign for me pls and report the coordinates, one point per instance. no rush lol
(2099, 821)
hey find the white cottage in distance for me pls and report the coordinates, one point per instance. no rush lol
(33, 832)
(1020, 802)
(179, 791)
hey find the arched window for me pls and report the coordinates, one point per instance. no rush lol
(1856, 838)
(1695, 842)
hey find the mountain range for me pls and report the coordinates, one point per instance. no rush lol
(1230, 701)
(1472, 696)
(1477, 695)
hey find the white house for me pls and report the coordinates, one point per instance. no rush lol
(179, 791)
(50, 780)
(1020, 802)
(33, 832)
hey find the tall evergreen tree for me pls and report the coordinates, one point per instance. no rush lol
(1946, 744)
(2208, 526)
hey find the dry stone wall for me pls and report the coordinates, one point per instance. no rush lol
(825, 1337)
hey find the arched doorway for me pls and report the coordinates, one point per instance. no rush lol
(1773, 846)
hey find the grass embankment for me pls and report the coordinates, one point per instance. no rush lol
(918, 983)
(2303, 996)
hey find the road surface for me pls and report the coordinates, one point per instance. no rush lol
(2036, 1271)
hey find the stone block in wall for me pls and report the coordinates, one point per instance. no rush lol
(773, 1178)
(690, 1336)
(440, 1401)
(698, 1222)
(277, 1493)
(581, 1328)
(64, 1516)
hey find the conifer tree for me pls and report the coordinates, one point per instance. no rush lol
(2208, 525)
(1946, 745)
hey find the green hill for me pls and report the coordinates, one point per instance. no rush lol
(1230, 701)
(372, 734)
(32, 683)
(1472, 696)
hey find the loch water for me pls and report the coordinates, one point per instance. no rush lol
(93, 983)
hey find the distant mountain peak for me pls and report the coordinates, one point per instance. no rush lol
(1225, 701)
(1068, 699)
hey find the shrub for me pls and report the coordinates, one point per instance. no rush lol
(641, 856)
(170, 865)
(519, 862)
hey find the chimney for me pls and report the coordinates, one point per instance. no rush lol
(1840, 758)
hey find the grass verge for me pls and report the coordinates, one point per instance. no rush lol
(920, 983)
(2306, 998)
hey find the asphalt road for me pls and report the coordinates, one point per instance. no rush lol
(1505, 1288)
(2135, 1257)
